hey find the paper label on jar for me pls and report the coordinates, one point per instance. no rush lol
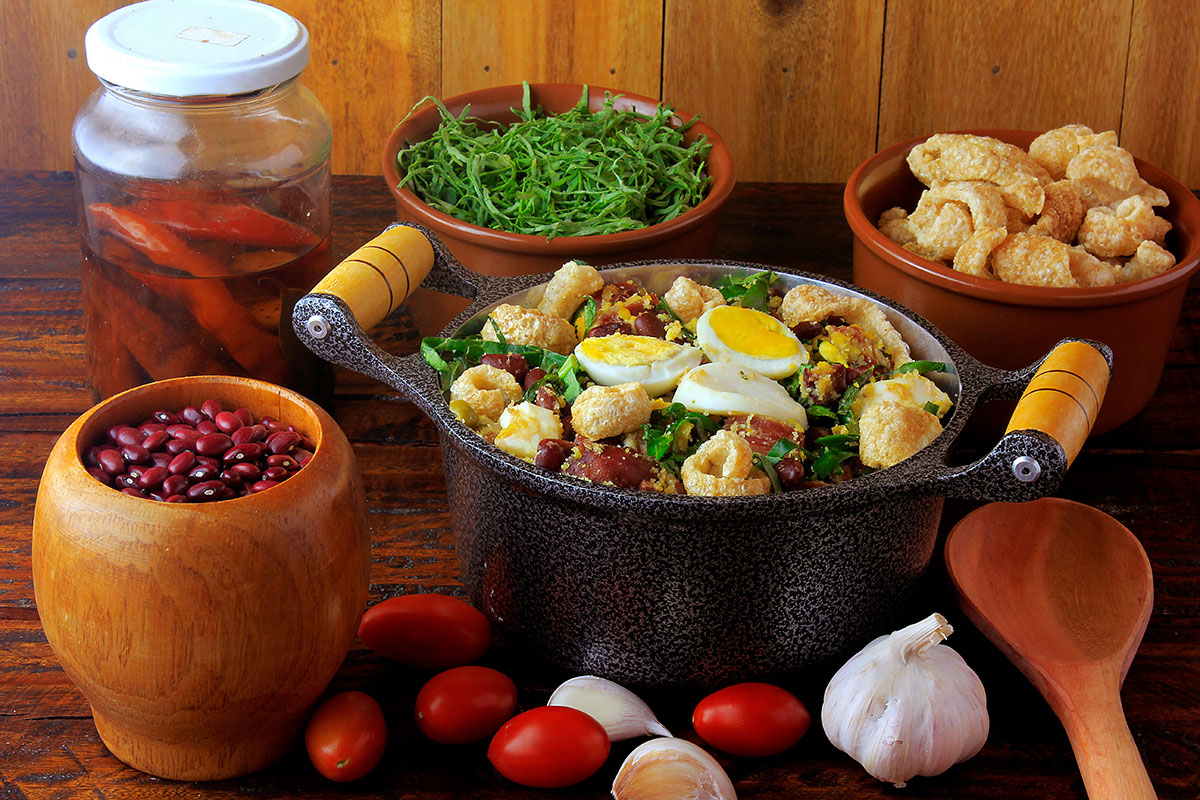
(212, 36)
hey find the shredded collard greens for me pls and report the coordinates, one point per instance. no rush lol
(577, 173)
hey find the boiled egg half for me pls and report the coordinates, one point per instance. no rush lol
(724, 388)
(621, 358)
(751, 339)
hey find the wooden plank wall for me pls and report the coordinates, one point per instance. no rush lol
(802, 89)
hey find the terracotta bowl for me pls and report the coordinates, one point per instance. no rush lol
(494, 252)
(1007, 325)
(201, 634)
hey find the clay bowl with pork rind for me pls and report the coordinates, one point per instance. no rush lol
(1006, 325)
(655, 589)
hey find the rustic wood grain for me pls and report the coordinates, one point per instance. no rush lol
(1161, 118)
(793, 87)
(804, 89)
(612, 43)
(956, 64)
(1144, 474)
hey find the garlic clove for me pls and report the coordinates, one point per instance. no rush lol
(622, 713)
(671, 769)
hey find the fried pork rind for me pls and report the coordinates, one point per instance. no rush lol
(1111, 232)
(894, 224)
(689, 300)
(572, 282)
(809, 303)
(974, 256)
(530, 326)
(1054, 149)
(1150, 259)
(487, 390)
(889, 432)
(1109, 163)
(1062, 212)
(1032, 260)
(946, 157)
(982, 199)
(1091, 271)
(603, 411)
(940, 227)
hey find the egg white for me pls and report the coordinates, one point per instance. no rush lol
(621, 358)
(724, 388)
(750, 339)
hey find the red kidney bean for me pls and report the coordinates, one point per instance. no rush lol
(159, 496)
(125, 480)
(177, 498)
(156, 440)
(282, 442)
(242, 434)
(649, 324)
(609, 328)
(210, 409)
(177, 446)
(244, 416)
(209, 461)
(262, 486)
(111, 461)
(202, 474)
(790, 472)
(205, 491)
(147, 428)
(135, 454)
(274, 474)
(306, 443)
(90, 456)
(533, 376)
(133, 491)
(161, 458)
(247, 472)
(547, 398)
(153, 477)
(192, 415)
(230, 479)
(250, 451)
(100, 475)
(136, 471)
(213, 444)
(273, 424)
(182, 431)
(128, 435)
(181, 463)
(228, 422)
(206, 427)
(512, 363)
(302, 457)
(166, 417)
(551, 453)
(808, 330)
(175, 484)
(285, 461)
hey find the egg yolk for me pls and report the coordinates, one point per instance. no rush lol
(628, 351)
(752, 333)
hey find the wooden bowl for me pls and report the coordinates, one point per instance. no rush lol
(494, 252)
(201, 634)
(1007, 325)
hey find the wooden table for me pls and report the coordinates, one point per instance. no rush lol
(1145, 474)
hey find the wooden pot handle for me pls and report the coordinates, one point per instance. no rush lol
(1064, 396)
(377, 277)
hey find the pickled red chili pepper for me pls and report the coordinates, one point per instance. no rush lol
(238, 223)
(153, 240)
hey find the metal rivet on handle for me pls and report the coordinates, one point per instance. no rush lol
(317, 327)
(1026, 468)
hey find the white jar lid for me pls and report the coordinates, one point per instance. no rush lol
(188, 48)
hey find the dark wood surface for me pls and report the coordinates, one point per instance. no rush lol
(1145, 474)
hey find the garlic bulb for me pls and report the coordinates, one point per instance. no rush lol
(903, 706)
(622, 713)
(671, 769)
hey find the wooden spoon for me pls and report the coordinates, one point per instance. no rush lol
(1065, 591)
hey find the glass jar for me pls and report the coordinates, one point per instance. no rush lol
(202, 175)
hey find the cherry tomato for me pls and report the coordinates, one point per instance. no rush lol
(465, 704)
(549, 747)
(432, 630)
(751, 719)
(346, 736)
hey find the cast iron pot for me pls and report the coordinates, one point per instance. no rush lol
(657, 590)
